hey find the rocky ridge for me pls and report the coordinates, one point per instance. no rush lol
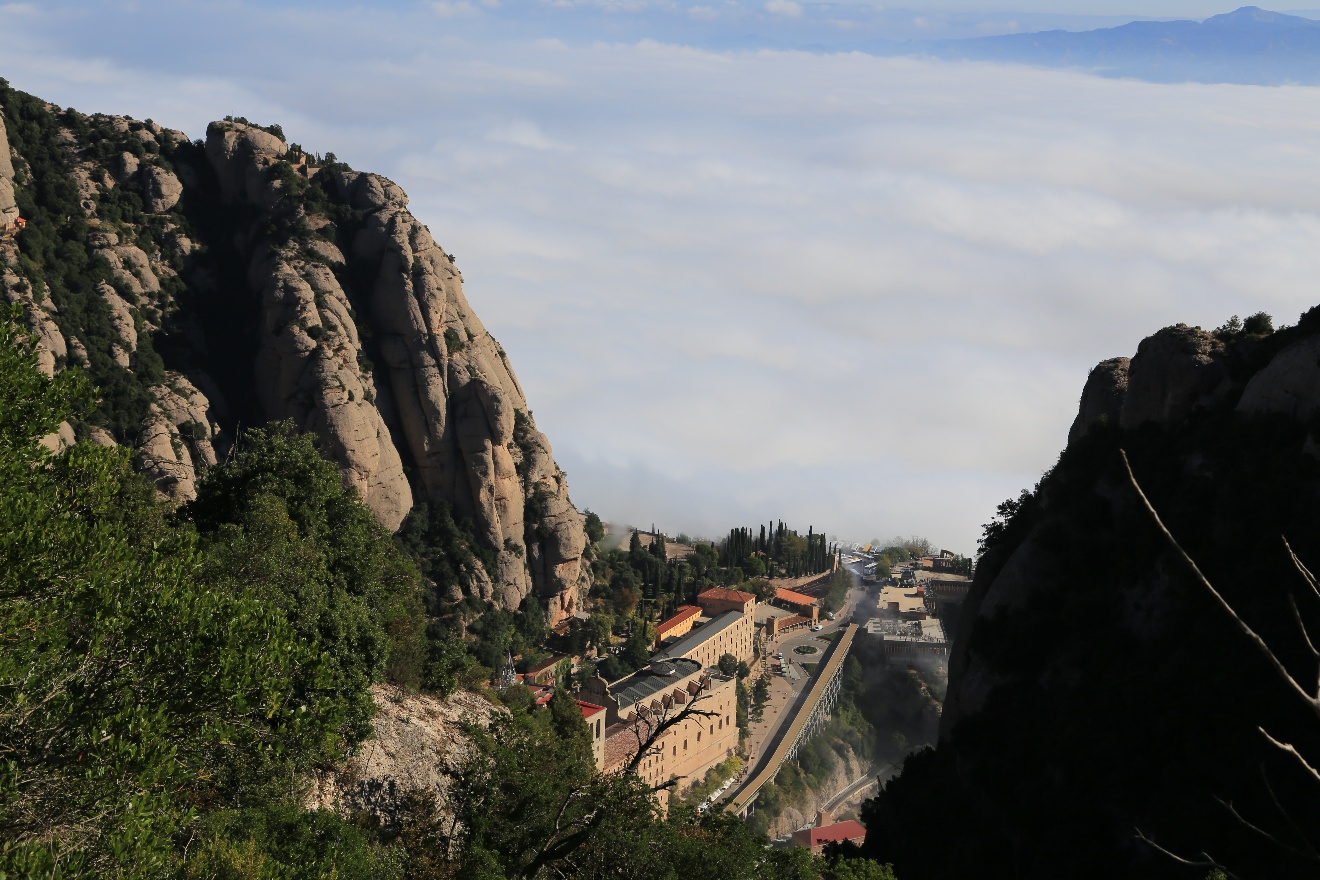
(1096, 695)
(241, 280)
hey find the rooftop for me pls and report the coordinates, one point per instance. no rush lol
(726, 595)
(588, 709)
(795, 597)
(701, 634)
(646, 683)
(838, 832)
(908, 599)
(684, 614)
(620, 744)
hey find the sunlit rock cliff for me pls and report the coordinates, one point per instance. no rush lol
(214, 284)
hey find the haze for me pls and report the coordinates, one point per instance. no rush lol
(740, 281)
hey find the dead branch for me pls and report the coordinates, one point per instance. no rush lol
(1312, 701)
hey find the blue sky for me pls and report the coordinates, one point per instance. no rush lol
(738, 281)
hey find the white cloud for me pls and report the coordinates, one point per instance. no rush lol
(785, 8)
(455, 8)
(858, 292)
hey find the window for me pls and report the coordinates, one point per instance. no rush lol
(685, 745)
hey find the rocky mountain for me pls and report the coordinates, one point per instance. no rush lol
(207, 285)
(1250, 46)
(1102, 709)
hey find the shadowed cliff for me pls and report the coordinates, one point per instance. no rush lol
(1097, 696)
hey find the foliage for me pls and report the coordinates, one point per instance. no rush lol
(715, 777)
(728, 664)
(55, 262)
(283, 842)
(277, 522)
(132, 692)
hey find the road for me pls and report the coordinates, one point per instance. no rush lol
(787, 693)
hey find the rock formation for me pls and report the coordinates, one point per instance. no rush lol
(1102, 396)
(243, 281)
(1096, 692)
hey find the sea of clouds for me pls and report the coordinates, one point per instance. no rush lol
(741, 283)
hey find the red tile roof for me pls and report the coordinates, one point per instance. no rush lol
(547, 664)
(795, 598)
(838, 832)
(685, 613)
(725, 594)
(588, 709)
(620, 745)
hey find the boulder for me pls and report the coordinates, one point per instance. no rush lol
(242, 156)
(128, 166)
(1288, 385)
(6, 162)
(1174, 371)
(1102, 396)
(162, 189)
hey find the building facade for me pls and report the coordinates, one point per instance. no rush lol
(637, 705)
(731, 633)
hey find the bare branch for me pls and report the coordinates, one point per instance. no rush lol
(1290, 749)
(1306, 637)
(1207, 861)
(1242, 625)
(1301, 835)
(1303, 570)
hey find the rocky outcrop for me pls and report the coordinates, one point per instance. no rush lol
(1093, 680)
(179, 438)
(8, 205)
(1289, 385)
(417, 745)
(242, 157)
(1171, 372)
(310, 363)
(311, 294)
(459, 406)
(1102, 396)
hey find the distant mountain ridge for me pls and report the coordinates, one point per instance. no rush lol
(1250, 46)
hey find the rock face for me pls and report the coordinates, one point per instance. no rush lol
(1093, 682)
(310, 294)
(1171, 372)
(1102, 396)
(1289, 385)
(418, 745)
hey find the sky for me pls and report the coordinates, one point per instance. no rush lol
(740, 281)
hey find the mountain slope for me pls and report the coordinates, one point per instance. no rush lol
(210, 285)
(1250, 46)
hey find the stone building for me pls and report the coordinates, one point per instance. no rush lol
(718, 600)
(636, 705)
(731, 633)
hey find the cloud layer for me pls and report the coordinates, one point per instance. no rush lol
(857, 292)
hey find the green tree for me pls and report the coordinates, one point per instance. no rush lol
(728, 664)
(277, 522)
(130, 689)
